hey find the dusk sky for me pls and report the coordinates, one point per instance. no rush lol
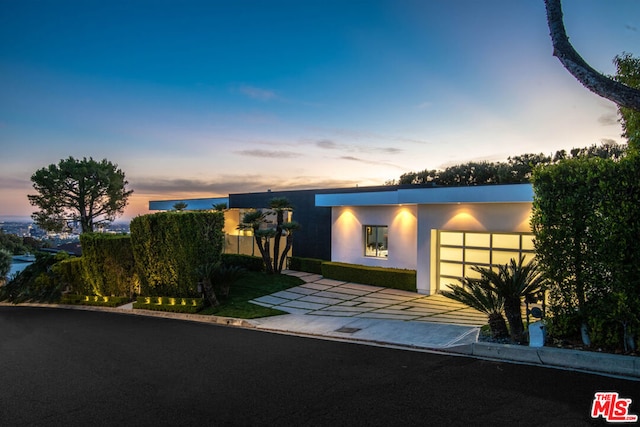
(206, 98)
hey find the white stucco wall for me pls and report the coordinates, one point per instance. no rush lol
(494, 217)
(411, 229)
(348, 239)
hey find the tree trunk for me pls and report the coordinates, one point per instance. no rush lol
(498, 326)
(285, 251)
(264, 251)
(512, 310)
(621, 94)
(210, 293)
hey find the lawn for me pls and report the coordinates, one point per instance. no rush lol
(251, 286)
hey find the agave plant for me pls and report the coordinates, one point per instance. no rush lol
(476, 294)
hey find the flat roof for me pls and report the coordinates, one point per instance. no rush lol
(192, 204)
(509, 193)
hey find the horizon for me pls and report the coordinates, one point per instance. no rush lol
(201, 99)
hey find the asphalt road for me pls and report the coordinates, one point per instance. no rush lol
(67, 367)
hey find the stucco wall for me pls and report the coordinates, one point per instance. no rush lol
(505, 217)
(348, 240)
(411, 229)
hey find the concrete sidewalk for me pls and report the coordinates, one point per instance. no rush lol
(368, 314)
(326, 297)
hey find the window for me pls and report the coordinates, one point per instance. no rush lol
(376, 239)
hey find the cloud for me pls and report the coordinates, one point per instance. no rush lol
(415, 141)
(269, 154)
(608, 119)
(13, 183)
(222, 186)
(326, 144)
(258, 93)
(370, 162)
(390, 150)
(424, 105)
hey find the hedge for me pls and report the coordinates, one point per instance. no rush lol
(309, 265)
(71, 273)
(109, 264)
(169, 246)
(176, 305)
(377, 276)
(248, 262)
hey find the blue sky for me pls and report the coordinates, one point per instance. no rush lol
(206, 98)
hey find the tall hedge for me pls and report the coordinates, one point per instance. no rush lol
(73, 276)
(109, 264)
(586, 220)
(169, 246)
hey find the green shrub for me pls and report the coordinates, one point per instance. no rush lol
(109, 264)
(586, 221)
(309, 265)
(378, 276)
(102, 301)
(5, 264)
(172, 304)
(248, 262)
(168, 247)
(72, 275)
(37, 282)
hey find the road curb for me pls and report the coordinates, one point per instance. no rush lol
(218, 320)
(588, 361)
(591, 361)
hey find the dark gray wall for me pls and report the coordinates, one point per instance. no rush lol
(313, 239)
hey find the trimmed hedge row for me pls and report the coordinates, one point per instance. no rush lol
(71, 274)
(168, 247)
(109, 264)
(248, 262)
(377, 276)
(105, 301)
(309, 265)
(176, 305)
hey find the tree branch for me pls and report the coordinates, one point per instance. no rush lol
(621, 94)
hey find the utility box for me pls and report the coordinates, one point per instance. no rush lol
(537, 334)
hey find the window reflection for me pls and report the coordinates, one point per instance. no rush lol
(376, 241)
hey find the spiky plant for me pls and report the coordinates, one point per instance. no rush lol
(476, 294)
(226, 275)
(207, 273)
(512, 282)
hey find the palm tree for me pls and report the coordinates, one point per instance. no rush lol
(476, 294)
(257, 221)
(253, 220)
(512, 282)
(207, 273)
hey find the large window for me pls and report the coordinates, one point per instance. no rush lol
(459, 251)
(376, 241)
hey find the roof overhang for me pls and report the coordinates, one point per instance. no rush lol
(192, 204)
(513, 193)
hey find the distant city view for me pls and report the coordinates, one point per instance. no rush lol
(27, 228)
(33, 238)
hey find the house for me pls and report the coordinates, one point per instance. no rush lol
(441, 232)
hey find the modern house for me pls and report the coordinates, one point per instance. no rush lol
(441, 232)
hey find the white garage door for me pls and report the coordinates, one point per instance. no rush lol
(459, 251)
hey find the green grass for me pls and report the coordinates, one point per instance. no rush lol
(252, 286)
